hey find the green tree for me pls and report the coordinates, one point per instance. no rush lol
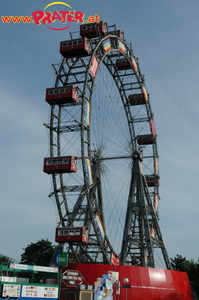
(39, 253)
(191, 267)
(193, 274)
(180, 263)
(4, 259)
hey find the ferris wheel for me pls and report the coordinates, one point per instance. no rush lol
(103, 156)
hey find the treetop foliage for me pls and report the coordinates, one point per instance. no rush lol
(39, 253)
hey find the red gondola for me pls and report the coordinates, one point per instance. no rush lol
(148, 138)
(137, 99)
(145, 139)
(92, 30)
(61, 95)
(119, 33)
(75, 234)
(67, 164)
(123, 64)
(74, 48)
(152, 180)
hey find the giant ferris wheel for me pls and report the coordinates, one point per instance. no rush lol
(103, 157)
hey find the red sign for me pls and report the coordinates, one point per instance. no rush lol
(72, 278)
(94, 66)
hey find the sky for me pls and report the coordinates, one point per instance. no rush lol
(164, 35)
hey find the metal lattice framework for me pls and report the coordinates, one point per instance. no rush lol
(114, 169)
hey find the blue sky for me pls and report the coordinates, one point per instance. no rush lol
(164, 35)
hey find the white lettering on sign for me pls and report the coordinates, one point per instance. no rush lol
(72, 278)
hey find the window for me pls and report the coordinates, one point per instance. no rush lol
(70, 43)
(74, 161)
(79, 42)
(75, 91)
(54, 162)
(61, 90)
(75, 43)
(65, 161)
(85, 231)
(60, 232)
(72, 296)
(56, 91)
(48, 162)
(50, 92)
